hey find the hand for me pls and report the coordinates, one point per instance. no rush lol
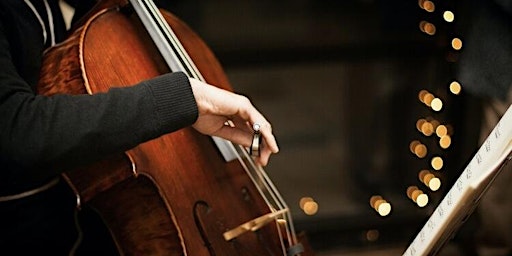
(218, 106)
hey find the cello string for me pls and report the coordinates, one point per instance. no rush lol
(274, 193)
(270, 187)
(184, 58)
(168, 37)
(168, 33)
(161, 41)
(263, 177)
(243, 152)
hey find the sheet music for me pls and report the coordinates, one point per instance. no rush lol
(463, 197)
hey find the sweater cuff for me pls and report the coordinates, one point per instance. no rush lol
(175, 103)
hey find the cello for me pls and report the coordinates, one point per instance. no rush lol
(183, 193)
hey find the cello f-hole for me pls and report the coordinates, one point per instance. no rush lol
(201, 207)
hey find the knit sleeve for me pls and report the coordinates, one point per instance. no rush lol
(48, 135)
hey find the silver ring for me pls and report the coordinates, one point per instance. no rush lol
(256, 127)
(254, 150)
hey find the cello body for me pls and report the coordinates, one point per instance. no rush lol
(174, 195)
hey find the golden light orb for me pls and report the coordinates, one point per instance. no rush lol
(445, 141)
(419, 123)
(422, 200)
(420, 3)
(427, 128)
(456, 43)
(411, 189)
(429, 6)
(304, 200)
(437, 163)
(310, 208)
(422, 94)
(420, 150)
(429, 28)
(413, 144)
(427, 98)
(441, 130)
(422, 174)
(434, 184)
(436, 104)
(380, 205)
(384, 209)
(455, 87)
(448, 16)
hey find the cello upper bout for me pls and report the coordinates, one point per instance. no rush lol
(61, 71)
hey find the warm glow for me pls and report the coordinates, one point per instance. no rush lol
(436, 104)
(422, 26)
(422, 94)
(429, 6)
(417, 196)
(419, 123)
(308, 205)
(380, 205)
(427, 128)
(384, 209)
(428, 28)
(427, 98)
(422, 200)
(430, 180)
(422, 174)
(434, 184)
(304, 200)
(410, 190)
(374, 199)
(455, 87)
(445, 141)
(437, 163)
(441, 131)
(377, 203)
(420, 150)
(310, 208)
(372, 235)
(456, 43)
(413, 144)
(417, 148)
(448, 16)
(420, 3)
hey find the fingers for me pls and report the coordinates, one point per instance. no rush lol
(249, 115)
(268, 145)
(239, 134)
(268, 138)
(217, 105)
(265, 128)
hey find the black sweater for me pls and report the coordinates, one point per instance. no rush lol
(41, 136)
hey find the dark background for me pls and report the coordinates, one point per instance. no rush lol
(339, 80)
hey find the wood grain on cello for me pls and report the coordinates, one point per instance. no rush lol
(174, 195)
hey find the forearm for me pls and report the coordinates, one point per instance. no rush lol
(53, 134)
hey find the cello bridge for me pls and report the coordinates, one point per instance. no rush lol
(252, 225)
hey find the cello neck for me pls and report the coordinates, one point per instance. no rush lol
(164, 38)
